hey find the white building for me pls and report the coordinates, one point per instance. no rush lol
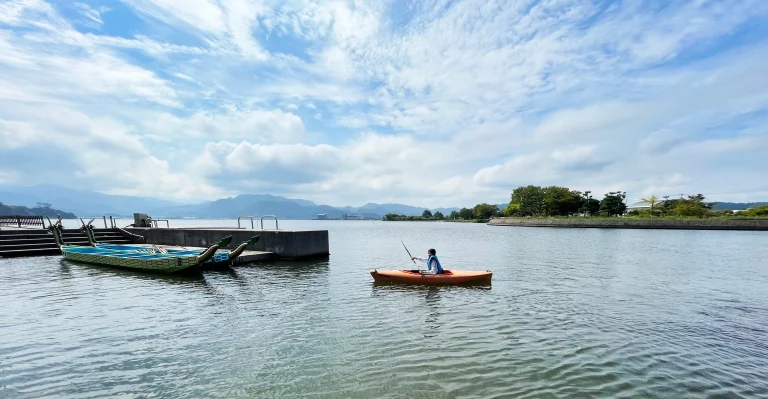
(644, 206)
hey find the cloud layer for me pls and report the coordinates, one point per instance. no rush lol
(421, 102)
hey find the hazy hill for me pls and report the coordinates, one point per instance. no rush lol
(88, 204)
(737, 205)
(18, 210)
(80, 202)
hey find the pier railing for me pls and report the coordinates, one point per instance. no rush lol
(244, 217)
(22, 221)
(167, 223)
(272, 217)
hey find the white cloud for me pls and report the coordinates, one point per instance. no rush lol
(259, 126)
(372, 163)
(92, 15)
(460, 101)
(55, 72)
(205, 15)
(224, 25)
(95, 152)
(545, 167)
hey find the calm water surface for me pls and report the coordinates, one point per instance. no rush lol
(570, 313)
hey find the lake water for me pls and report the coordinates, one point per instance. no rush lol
(570, 313)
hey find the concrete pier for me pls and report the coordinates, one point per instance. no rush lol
(292, 244)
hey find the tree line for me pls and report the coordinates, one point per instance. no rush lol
(478, 212)
(562, 201)
(693, 206)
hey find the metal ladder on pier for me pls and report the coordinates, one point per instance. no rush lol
(261, 220)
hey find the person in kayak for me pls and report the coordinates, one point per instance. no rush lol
(433, 264)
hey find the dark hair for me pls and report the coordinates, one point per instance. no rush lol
(432, 251)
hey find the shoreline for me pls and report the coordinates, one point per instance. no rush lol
(628, 223)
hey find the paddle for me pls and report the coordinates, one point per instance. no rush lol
(409, 252)
(411, 256)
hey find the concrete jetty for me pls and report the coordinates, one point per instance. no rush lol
(281, 244)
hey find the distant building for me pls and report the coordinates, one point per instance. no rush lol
(639, 206)
(322, 216)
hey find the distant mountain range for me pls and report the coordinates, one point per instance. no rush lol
(737, 206)
(89, 204)
(79, 202)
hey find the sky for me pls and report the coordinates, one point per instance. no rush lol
(427, 103)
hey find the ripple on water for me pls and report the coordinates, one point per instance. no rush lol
(603, 314)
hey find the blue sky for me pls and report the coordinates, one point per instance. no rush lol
(430, 103)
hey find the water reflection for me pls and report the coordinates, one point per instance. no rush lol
(433, 313)
(401, 286)
(67, 268)
(567, 314)
(295, 269)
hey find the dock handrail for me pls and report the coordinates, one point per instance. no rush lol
(243, 217)
(22, 221)
(167, 223)
(137, 237)
(269, 216)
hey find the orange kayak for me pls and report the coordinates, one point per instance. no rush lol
(448, 277)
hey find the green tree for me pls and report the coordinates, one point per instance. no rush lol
(439, 215)
(760, 211)
(485, 211)
(667, 206)
(561, 201)
(530, 198)
(393, 216)
(699, 199)
(693, 206)
(589, 205)
(689, 208)
(466, 213)
(426, 214)
(613, 203)
(454, 215)
(511, 210)
(652, 200)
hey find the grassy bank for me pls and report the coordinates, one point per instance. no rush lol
(440, 220)
(669, 222)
